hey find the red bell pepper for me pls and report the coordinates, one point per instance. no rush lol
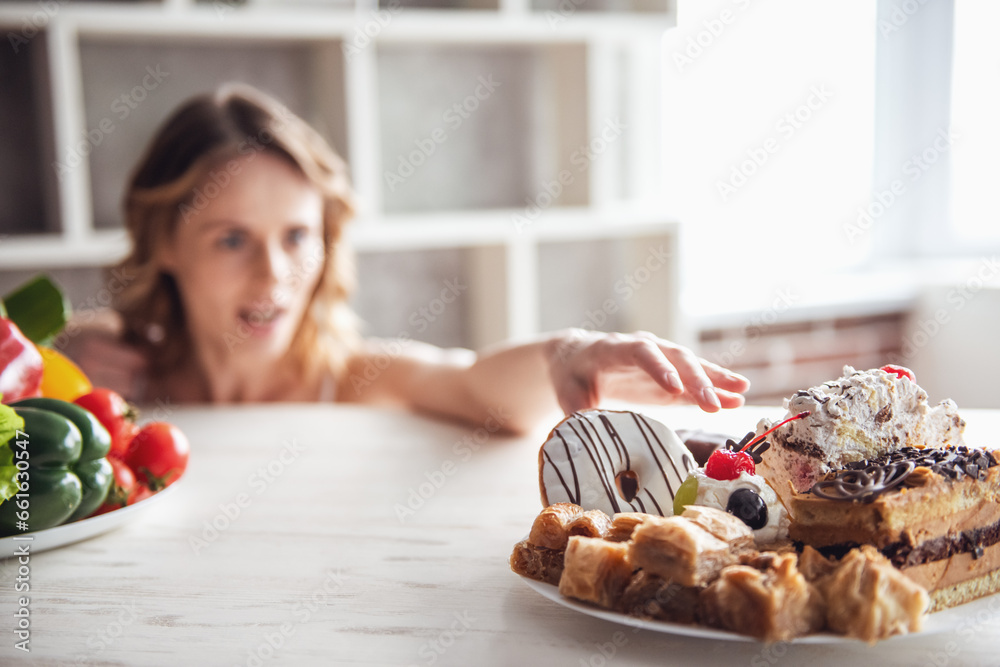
(20, 364)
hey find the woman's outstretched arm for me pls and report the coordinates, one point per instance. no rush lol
(521, 384)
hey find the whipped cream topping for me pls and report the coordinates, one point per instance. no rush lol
(862, 415)
(716, 492)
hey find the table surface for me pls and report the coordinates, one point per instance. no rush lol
(350, 535)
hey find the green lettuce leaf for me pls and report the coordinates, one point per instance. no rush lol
(39, 309)
(10, 424)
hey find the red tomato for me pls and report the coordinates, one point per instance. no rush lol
(141, 493)
(123, 487)
(115, 414)
(158, 455)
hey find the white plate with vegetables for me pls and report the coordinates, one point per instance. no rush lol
(70, 533)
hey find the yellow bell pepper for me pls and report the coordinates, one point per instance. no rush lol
(61, 378)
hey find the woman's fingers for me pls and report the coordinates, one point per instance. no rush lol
(702, 379)
(725, 378)
(630, 352)
(696, 380)
(729, 399)
(574, 396)
(675, 369)
(649, 356)
(623, 365)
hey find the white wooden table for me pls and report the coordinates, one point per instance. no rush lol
(344, 535)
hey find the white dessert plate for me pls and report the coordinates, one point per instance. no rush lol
(60, 536)
(948, 621)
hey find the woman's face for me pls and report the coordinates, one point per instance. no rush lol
(247, 256)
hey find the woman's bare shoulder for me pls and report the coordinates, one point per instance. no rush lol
(93, 339)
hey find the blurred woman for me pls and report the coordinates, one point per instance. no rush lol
(238, 282)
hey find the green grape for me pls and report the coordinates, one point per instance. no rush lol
(686, 494)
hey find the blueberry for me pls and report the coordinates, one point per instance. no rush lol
(749, 507)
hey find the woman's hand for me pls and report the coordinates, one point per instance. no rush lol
(515, 387)
(588, 366)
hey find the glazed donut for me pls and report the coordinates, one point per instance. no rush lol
(613, 461)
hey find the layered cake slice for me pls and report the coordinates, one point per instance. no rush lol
(933, 512)
(862, 415)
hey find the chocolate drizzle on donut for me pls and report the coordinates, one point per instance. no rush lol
(604, 448)
(594, 453)
(865, 480)
(617, 440)
(686, 461)
(574, 495)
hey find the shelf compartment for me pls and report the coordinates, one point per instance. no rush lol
(448, 5)
(562, 10)
(28, 181)
(500, 116)
(120, 94)
(614, 284)
(433, 307)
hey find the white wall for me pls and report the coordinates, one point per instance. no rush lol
(952, 343)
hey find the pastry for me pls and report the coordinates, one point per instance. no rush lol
(867, 598)
(722, 525)
(934, 513)
(679, 550)
(813, 565)
(537, 563)
(649, 596)
(623, 524)
(701, 567)
(772, 602)
(862, 415)
(614, 462)
(541, 555)
(596, 570)
(555, 524)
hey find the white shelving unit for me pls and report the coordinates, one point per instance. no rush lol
(559, 160)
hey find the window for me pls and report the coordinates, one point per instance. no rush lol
(975, 116)
(769, 150)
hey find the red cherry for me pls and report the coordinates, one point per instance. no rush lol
(725, 464)
(900, 371)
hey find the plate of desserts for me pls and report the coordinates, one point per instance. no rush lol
(963, 621)
(860, 515)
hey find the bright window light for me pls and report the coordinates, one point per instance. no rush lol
(769, 143)
(975, 110)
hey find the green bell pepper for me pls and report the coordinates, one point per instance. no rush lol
(92, 468)
(52, 445)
